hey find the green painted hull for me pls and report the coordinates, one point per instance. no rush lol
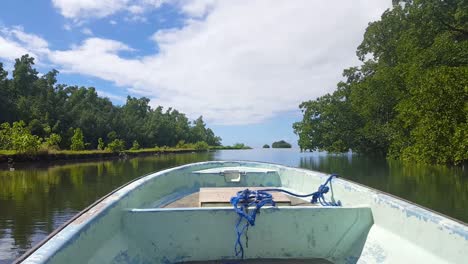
(130, 225)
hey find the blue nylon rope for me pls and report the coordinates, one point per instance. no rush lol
(249, 198)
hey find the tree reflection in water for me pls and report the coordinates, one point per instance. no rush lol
(37, 198)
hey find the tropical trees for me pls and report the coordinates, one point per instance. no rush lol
(18, 137)
(77, 141)
(50, 110)
(409, 98)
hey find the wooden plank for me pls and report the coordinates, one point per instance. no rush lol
(189, 201)
(193, 200)
(222, 196)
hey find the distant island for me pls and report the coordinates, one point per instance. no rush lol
(266, 146)
(281, 144)
(237, 146)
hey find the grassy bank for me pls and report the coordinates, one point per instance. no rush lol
(52, 155)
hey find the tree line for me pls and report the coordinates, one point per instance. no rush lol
(36, 111)
(408, 99)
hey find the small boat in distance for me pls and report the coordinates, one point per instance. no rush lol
(185, 215)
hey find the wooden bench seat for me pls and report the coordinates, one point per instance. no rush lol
(216, 197)
(220, 197)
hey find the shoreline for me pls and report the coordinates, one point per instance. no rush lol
(11, 157)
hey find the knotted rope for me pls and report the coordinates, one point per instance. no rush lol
(250, 198)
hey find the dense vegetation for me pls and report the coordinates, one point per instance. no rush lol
(409, 98)
(266, 146)
(238, 146)
(36, 112)
(281, 144)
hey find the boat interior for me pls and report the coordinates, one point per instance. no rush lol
(184, 215)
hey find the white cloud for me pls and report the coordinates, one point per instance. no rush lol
(81, 9)
(234, 62)
(197, 8)
(30, 40)
(136, 9)
(99, 57)
(88, 8)
(11, 50)
(87, 31)
(113, 22)
(244, 62)
(14, 43)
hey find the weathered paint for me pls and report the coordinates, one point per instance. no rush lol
(208, 234)
(402, 232)
(241, 169)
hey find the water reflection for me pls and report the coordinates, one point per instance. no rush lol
(35, 201)
(37, 198)
(440, 188)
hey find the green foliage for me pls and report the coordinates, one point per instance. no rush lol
(281, 144)
(111, 136)
(202, 145)
(48, 107)
(18, 138)
(77, 141)
(328, 123)
(7, 108)
(100, 145)
(199, 132)
(135, 145)
(408, 99)
(237, 146)
(7, 152)
(434, 118)
(22, 139)
(5, 136)
(117, 145)
(181, 144)
(53, 141)
(266, 146)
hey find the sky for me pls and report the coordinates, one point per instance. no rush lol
(244, 65)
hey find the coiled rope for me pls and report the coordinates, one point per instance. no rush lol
(256, 199)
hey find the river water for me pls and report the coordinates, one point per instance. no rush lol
(37, 198)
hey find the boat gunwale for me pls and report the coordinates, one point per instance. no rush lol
(366, 187)
(29, 252)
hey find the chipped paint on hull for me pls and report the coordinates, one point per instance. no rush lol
(401, 231)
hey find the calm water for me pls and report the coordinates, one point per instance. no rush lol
(35, 199)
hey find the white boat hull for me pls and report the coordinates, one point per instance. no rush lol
(130, 225)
